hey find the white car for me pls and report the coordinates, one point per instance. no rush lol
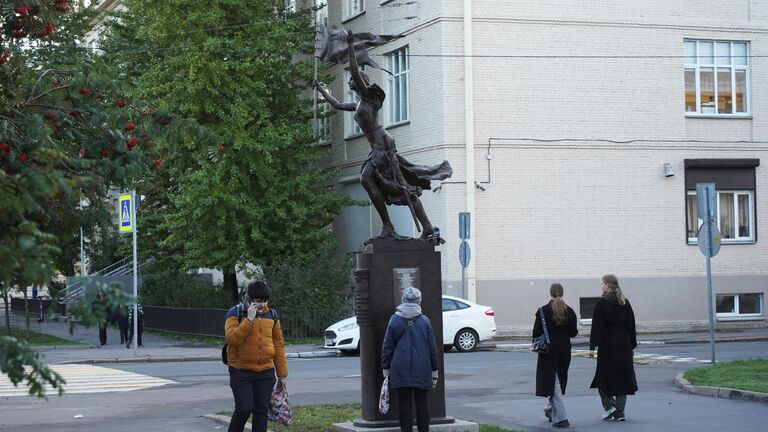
(465, 324)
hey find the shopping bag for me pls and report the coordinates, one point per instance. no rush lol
(384, 397)
(280, 406)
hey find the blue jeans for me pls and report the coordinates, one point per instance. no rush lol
(252, 392)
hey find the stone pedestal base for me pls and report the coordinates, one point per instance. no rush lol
(456, 426)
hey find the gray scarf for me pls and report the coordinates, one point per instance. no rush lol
(408, 310)
(610, 296)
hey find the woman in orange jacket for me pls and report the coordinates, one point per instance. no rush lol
(255, 351)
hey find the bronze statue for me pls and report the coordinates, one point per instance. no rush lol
(386, 176)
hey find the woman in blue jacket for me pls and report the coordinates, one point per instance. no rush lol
(409, 359)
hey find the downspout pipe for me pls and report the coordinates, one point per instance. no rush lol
(469, 146)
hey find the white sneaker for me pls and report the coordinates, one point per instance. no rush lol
(608, 413)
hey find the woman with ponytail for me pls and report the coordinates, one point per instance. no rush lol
(613, 333)
(552, 366)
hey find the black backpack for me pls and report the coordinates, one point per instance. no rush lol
(239, 319)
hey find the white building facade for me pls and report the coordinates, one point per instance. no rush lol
(559, 119)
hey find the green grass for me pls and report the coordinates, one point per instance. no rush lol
(319, 418)
(749, 375)
(219, 341)
(38, 339)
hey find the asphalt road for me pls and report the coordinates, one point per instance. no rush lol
(488, 387)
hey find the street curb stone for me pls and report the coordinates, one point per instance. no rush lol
(721, 392)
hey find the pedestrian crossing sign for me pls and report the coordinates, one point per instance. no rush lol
(124, 213)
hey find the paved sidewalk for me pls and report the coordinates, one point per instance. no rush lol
(156, 348)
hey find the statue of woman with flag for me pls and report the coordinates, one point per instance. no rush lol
(387, 177)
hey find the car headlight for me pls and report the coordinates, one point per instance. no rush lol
(348, 327)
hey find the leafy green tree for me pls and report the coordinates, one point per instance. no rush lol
(67, 130)
(241, 68)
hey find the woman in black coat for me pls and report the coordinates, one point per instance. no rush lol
(613, 333)
(552, 367)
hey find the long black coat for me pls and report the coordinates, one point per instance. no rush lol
(613, 332)
(558, 359)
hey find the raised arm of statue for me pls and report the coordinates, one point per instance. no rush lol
(341, 106)
(354, 70)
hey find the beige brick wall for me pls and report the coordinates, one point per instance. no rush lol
(573, 209)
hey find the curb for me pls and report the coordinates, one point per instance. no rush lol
(721, 392)
(180, 359)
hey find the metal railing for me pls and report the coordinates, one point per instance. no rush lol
(210, 322)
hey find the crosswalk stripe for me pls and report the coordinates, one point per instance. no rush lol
(89, 379)
(645, 358)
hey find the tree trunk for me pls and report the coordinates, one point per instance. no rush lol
(230, 286)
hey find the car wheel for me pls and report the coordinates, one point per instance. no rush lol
(465, 340)
(447, 348)
(350, 353)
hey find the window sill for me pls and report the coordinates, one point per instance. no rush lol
(586, 322)
(351, 17)
(353, 136)
(719, 116)
(324, 143)
(383, 2)
(724, 243)
(741, 318)
(397, 125)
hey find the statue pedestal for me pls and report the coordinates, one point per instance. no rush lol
(384, 269)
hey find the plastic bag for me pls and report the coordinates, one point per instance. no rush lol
(279, 406)
(384, 397)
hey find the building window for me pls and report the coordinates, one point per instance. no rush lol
(351, 128)
(716, 77)
(734, 181)
(587, 308)
(397, 87)
(353, 7)
(323, 131)
(734, 216)
(321, 13)
(739, 305)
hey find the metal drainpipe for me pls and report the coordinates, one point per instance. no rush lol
(469, 146)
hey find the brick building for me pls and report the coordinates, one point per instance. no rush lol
(577, 132)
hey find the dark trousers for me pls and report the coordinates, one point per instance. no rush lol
(252, 392)
(103, 333)
(130, 335)
(124, 333)
(618, 402)
(406, 397)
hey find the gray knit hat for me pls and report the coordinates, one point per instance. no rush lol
(411, 295)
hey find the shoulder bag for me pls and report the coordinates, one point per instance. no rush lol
(540, 344)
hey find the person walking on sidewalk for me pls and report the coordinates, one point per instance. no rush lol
(122, 323)
(409, 359)
(552, 366)
(100, 305)
(255, 348)
(140, 325)
(613, 333)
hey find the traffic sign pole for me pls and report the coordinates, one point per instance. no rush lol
(710, 301)
(135, 273)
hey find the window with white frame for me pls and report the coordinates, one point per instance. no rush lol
(351, 127)
(321, 12)
(323, 122)
(716, 77)
(353, 7)
(734, 216)
(398, 87)
(735, 182)
(290, 6)
(739, 305)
